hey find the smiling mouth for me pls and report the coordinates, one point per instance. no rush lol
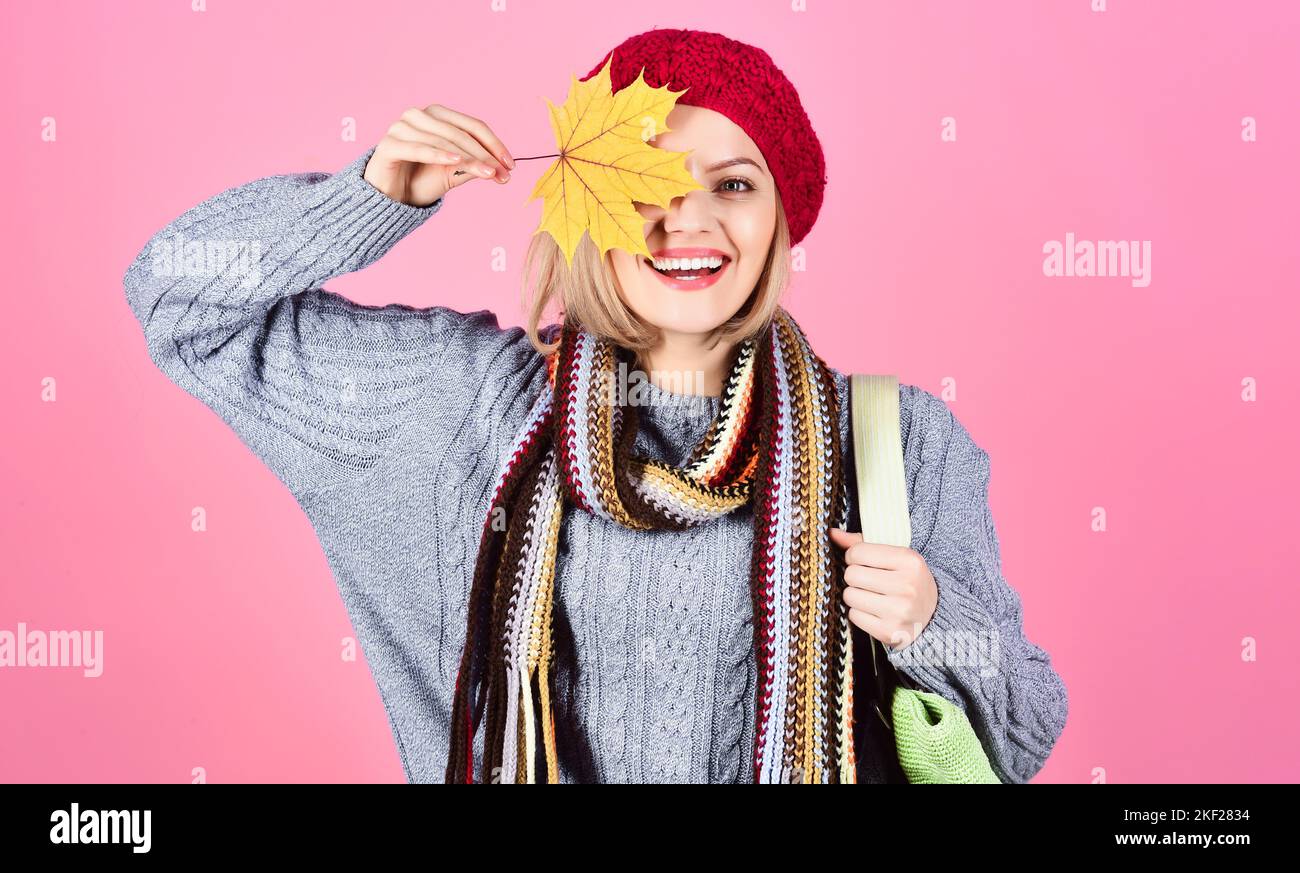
(689, 275)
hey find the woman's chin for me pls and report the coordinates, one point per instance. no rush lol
(698, 312)
(689, 322)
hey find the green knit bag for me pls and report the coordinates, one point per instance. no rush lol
(935, 740)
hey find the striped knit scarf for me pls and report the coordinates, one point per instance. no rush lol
(775, 441)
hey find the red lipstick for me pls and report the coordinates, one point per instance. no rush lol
(704, 278)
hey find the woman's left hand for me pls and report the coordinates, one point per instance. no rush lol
(890, 591)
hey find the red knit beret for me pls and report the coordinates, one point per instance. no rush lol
(741, 82)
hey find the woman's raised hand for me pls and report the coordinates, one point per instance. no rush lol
(429, 151)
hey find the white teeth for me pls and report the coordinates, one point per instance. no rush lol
(687, 263)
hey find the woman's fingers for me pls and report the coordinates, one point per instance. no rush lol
(402, 131)
(478, 128)
(872, 579)
(870, 624)
(856, 551)
(406, 132)
(411, 163)
(869, 602)
(463, 140)
(419, 152)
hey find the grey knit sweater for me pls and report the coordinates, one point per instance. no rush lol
(388, 425)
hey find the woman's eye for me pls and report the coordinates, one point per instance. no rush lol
(748, 187)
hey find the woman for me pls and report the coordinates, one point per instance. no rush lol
(551, 580)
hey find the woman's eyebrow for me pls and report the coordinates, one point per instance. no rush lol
(731, 162)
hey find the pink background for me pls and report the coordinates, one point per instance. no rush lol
(222, 649)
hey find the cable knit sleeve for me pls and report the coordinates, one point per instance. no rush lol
(230, 300)
(974, 651)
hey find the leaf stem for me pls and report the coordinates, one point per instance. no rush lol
(517, 160)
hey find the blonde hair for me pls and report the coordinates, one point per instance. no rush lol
(586, 292)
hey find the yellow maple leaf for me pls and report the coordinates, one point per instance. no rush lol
(606, 163)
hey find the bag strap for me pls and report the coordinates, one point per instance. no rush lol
(878, 457)
(881, 479)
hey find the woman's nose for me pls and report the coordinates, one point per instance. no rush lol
(683, 213)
